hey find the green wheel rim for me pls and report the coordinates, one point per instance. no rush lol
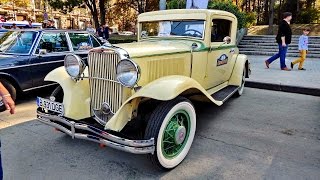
(170, 147)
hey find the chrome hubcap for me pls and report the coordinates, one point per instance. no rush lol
(180, 134)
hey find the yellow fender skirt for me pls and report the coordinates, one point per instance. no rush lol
(163, 89)
(76, 99)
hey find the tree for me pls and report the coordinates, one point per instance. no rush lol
(122, 14)
(17, 3)
(271, 16)
(67, 6)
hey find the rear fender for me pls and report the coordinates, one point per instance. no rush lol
(76, 99)
(162, 89)
(236, 76)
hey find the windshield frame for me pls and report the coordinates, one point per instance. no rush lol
(172, 36)
(33, 43)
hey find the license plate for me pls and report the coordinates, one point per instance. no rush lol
(50, 105)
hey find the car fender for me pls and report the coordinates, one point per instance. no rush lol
(236, 76)
(76, 99)
(163, 89)
(11, 79)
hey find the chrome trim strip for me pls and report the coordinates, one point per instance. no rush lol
(103, 137)
(86, 77)
(40, 87)
(35, 64)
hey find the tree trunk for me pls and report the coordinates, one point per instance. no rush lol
(271, 16)
(258, 11)
(102, 12)
(266, 11)
(91, 4)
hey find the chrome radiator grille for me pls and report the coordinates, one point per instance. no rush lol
(104, 86)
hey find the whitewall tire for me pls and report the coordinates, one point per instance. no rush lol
(172, 125)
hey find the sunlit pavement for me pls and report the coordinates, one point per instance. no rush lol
(261, 135)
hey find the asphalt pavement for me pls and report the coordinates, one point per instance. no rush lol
(297, 81)
(261, 135)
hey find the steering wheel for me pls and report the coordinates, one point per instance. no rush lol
(195, 34)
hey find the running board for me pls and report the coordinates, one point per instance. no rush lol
(225, 93)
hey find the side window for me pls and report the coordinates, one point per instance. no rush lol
(220, 29)
(53, 42)
(95, 41)
(80, 41)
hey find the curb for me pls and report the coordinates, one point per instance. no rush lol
(284, 88)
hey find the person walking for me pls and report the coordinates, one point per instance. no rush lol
(283, 39)
(303, 49)
(90, 29)
(9, 103)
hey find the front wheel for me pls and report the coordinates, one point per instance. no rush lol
(172, 124)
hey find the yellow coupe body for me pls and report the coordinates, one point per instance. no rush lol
(180, 53)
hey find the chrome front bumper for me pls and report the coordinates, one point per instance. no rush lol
(97, 135)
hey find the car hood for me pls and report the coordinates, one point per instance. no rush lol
(11, 60)
(157, 47)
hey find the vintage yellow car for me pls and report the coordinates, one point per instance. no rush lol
(138, 97)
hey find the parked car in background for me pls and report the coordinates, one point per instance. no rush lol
(19, 24)
(27, 56)
(139, 97)
(126, 33)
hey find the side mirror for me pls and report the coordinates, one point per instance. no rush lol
(227, 40)
(42, 51)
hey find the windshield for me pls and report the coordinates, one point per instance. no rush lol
(17, 42)
(190, 28)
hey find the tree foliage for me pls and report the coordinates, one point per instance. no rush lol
(17, 3)
(230, 7)
(97, 8)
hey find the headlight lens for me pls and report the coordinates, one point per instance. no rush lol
(127, 73)
(74, 65)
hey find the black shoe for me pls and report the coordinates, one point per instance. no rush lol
(292, 65)
(302, 69)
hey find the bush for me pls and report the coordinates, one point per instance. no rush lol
(227, 5)
(251, 19)
(307, 16)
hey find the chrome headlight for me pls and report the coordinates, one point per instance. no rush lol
(74, 65)
(127, 73)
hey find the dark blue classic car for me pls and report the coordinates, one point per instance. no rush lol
(27, 56)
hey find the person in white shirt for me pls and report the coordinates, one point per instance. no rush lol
(90, 29)
(303, 49)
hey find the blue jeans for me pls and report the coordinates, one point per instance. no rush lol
(282, 54)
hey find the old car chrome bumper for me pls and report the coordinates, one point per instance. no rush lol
(97, 135)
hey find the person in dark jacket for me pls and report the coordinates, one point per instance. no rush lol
(283, 39)
(51, 24)
(99, 31)
(106, 32)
